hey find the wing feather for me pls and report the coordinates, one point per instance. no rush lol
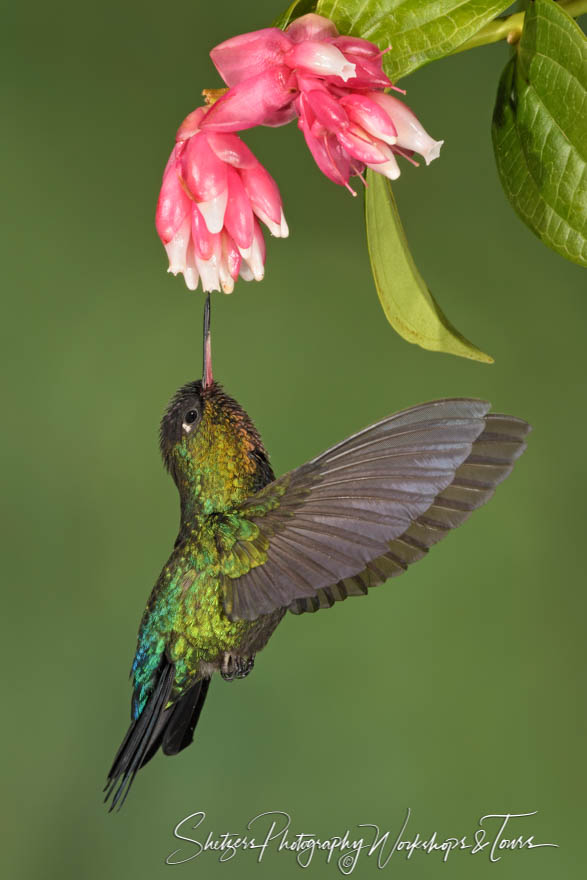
(491, 461)
(367, 508)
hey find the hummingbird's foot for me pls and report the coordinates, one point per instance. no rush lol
(243, 666)
(228, 668)
(235, 667)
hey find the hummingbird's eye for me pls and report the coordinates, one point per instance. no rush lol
(190, 417)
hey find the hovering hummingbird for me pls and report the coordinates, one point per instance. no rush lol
(252, 547)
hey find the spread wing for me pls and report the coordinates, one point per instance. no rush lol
(367, 508)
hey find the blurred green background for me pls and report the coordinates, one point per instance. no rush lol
(454, 690)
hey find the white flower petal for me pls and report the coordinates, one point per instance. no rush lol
(213, 211)
(226, 279)
(284, 226)
(274, 228)
(347, 71)
(177, 248)
(208, 270)
(411, 134)
(432, 151)
(390, 168)
(256, 261)
(245, 272)
(190, 274)
(322, 59)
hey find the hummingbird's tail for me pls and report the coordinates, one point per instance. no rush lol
(171, 729)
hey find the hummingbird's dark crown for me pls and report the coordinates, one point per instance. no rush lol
(204, 436)
(185, 402)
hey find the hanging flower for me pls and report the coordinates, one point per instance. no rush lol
(356, 130)
(213, 195)
(333, 84)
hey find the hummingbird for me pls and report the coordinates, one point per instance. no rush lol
(251, 547)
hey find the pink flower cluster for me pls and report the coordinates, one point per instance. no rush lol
(214, 190)
(333, 84)
(213, 195)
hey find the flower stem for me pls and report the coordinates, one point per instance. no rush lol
(510, 28)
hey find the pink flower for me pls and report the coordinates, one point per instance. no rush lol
(410, 134)
(322, 58)
(333, 84)
(213, 195)
(348, 131)
(263, 69)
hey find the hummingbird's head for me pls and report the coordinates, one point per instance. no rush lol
(210, 446)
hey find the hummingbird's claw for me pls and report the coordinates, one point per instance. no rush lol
(235, 667)
(244, 666)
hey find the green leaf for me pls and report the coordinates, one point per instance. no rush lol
(408, 304)
(297, 8)
(417, 30)
(540, 130)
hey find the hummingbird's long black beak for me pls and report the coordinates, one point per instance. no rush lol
(207, 377)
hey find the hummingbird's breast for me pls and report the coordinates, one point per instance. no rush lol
(185, 617)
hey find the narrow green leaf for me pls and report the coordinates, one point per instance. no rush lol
(418, 31)
(297, 8)
(540, 130)
(408, 304)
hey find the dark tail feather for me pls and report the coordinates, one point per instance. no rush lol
(179, 732)
(176, 729)
(138, 740)
(173, 729)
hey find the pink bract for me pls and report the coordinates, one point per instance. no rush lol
(213, 194)
(252, 101)
(250, 54)
(311, 27)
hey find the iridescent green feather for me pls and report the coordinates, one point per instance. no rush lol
(215, 470)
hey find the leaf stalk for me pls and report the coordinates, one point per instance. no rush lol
(510, 28)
